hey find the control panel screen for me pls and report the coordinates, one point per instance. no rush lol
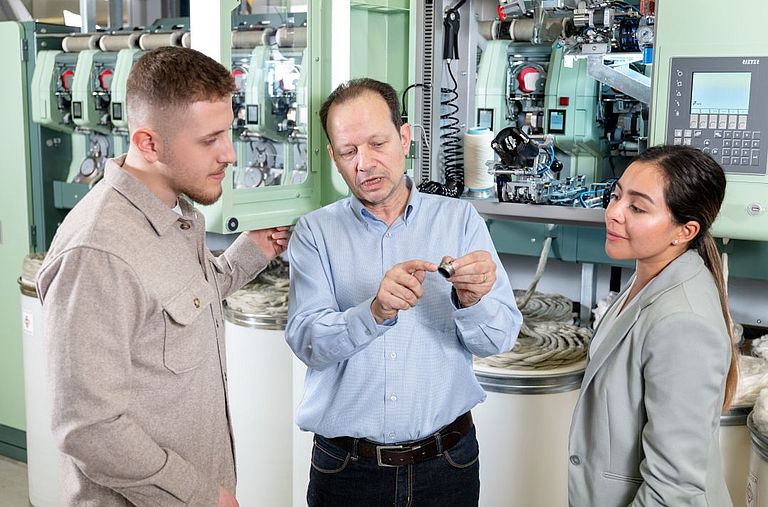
(720, 92)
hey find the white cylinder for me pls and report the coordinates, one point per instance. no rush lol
(149, 41)
(42, 454)
(522, 430)
(734, 450)
(302, 440)
(477, 152)
(261, 412)
(757, 481)
(122, 41)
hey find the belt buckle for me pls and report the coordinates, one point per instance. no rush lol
(379, 448)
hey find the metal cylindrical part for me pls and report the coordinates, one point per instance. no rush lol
(292, 37)
(118, 42)
(77, 43)
(186, 40)
(446, 269)
(246, 39)
(150, 41)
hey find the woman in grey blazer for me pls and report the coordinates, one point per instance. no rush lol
(662, 363)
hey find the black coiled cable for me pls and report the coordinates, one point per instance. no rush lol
(453, 151)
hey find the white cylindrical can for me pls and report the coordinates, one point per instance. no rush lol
(522, 430)
(42, 453)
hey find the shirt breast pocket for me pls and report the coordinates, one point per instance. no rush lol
(187, 318)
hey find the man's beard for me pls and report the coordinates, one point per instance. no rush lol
(204, 198)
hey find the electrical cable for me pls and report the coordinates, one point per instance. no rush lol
(403, 106)
(453, 154)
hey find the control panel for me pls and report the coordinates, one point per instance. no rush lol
(718, 104)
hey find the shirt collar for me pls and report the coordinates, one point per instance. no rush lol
(159, 215)
(414, 203)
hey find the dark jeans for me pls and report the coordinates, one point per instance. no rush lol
(339, 479)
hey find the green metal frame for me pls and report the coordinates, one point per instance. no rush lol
(15, 216)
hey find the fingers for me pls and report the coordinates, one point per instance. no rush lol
(417, 265)
(281, 235)
(475, 268)
(401, 288)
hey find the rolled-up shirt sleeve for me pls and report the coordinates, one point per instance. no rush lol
(93, 303)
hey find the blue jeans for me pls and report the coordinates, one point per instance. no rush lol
(337, 478)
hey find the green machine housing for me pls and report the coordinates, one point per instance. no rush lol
(709, 92)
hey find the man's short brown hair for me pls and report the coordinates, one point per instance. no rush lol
(357, 87)
(167, 80)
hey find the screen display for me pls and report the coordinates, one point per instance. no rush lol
(720, 92)
(556, 122)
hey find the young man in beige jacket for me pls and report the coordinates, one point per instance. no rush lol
(132, 302)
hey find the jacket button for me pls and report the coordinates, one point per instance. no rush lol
(184, 226)
(196, 302)
(575, 460)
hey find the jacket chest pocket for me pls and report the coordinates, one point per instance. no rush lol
(188, 326)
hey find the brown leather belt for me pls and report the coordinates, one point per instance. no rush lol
(408, 453)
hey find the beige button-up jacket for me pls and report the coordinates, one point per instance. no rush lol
(133, 317)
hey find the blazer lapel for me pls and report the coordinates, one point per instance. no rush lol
(678, 271)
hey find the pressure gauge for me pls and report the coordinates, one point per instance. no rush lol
(252, 177)
(88, 167)
(644, 35)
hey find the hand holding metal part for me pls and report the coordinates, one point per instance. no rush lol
(472, 275)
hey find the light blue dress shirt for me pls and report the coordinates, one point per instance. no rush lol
(409, 377)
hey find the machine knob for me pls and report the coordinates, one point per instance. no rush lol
(528, 78)
(239, 75)
(105, 79)
(66, 79)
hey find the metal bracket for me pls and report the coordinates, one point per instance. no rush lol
(619, 75)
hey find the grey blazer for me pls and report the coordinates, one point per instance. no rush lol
(645, 430)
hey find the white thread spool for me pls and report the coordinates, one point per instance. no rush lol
(477, 152)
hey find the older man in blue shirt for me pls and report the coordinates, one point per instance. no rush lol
(388, 341)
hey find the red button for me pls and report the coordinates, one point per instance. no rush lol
(564, 101)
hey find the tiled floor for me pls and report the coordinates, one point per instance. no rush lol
(13, 483)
